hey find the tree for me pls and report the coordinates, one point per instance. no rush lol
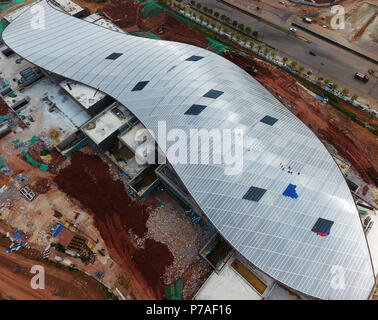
(255, 34)
(251, 44)
(225, 30)
(285, 59)
(335, 86)
(326, 81)
(219, 26)
(201, 17)
(216, 14)
(195, 15)
(248, 29)
(205, 9)
(309, 72)
(199, 6)
(207, 21)
(232, 34)
(345, 91)
(320, 78)
(354, 96)
(274, 53)
(266, 50)
(241, 27)
(259, 47)
(294, 64)
(212, 24)
(227, 19)
(235, 23)
(245, 40)
(223, 17)
(238, 36)
(301, 68)
(210, 11)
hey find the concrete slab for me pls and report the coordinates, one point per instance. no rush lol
(227, 285)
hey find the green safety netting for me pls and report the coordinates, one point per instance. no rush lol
(216, 46)
(174, 291)
(3, 118)
(151, 9)
(34, 139)
(35, 163)
(145, 34)
(12, 95)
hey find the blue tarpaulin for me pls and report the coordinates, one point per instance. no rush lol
(59, 229)
(290, 191)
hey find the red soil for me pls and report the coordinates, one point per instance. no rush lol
(77, 285)
(88, 180)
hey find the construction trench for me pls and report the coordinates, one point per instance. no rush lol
(156, 246)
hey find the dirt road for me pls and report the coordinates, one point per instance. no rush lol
(60, 284)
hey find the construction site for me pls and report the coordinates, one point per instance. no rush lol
(75, 198)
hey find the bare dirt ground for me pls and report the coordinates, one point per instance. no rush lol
(154, 245)
(59, 283)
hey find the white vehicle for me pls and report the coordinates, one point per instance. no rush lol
(293, 30)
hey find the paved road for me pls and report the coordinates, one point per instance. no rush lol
(339, 65)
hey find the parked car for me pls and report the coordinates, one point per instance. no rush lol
(362, 77)
(312, 53)
(293, 30)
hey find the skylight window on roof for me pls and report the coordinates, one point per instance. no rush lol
(194, 58)
(269, 120)
(195, 109)
(322, 227)
(213, 94)
(114, 56)
(254, 194)
(140, 85)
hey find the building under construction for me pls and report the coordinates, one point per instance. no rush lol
(288, 217)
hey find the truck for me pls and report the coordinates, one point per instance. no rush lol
(307, 20)
(362, 77)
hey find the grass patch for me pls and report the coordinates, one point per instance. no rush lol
(60, 293)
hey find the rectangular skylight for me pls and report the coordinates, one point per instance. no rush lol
(269, 120)
(140, 85)
(195, 109)
(322, 227)
(114, 56)
(213, 94)
(254, 194)
(194, 58)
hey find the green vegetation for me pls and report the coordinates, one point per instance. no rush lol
(294, 64)
(108, 293)
(61, 293)
(58, 247)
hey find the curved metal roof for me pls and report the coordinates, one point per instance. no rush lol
(274, 233)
